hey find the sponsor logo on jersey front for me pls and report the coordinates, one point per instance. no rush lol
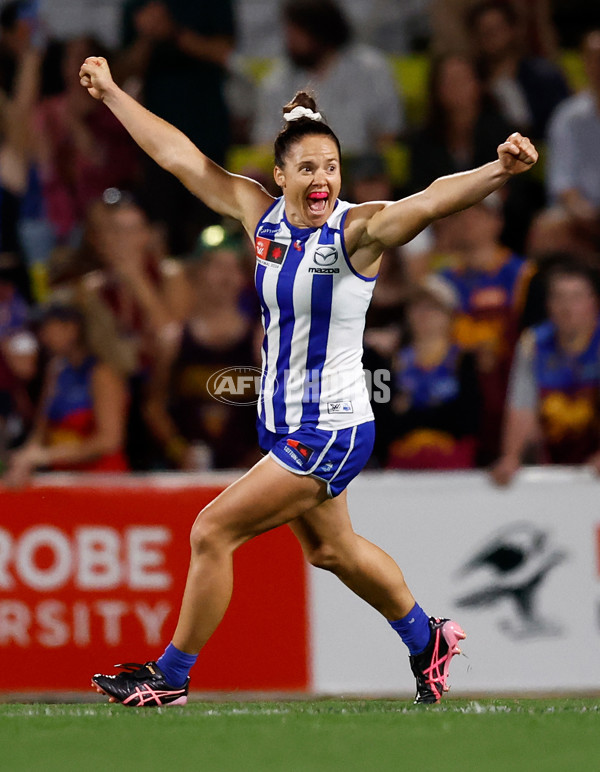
(298, 452)
(345, 406)
(269, 251)
(268, 230)
(325, 257)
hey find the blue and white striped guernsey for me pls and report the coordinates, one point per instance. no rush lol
(313, 311)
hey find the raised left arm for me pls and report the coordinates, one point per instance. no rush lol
(393, 224)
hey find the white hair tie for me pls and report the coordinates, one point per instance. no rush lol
(301, 112)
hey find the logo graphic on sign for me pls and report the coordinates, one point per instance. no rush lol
(271, 251)
(510, 570)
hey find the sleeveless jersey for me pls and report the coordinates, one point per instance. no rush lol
(313, 306)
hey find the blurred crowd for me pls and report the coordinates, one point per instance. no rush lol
(121, 295)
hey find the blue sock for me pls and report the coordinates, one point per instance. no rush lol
(414, 629)
(176, 665)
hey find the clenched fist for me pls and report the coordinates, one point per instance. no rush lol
(95, 77)
(517, 154)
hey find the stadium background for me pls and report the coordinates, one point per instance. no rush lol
(91, 567)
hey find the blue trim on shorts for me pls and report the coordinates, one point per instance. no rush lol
(336, 457)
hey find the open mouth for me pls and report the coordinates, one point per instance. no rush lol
(317, 201)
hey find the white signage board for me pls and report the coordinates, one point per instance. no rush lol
(518, 568)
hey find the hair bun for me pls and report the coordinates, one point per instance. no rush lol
(301, 99)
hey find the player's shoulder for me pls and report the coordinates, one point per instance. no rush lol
(364, 212)
(340, 212)
(357, 221)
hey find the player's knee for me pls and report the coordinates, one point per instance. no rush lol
(207, 534)
(326, 556)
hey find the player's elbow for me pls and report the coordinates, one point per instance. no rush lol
(169, 159)
(178, 157)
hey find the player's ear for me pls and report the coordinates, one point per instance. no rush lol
(279, 176)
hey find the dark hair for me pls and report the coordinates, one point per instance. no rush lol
(436, 118)
(570, 267)
(57, 312)
(9, 16)
(301, 127)
(479, 10)
(323, 20)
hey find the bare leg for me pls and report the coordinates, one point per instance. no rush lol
(266, 497)
(329, 542)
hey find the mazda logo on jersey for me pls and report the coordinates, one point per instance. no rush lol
(271, 251)
(326, 256)
(509, 571)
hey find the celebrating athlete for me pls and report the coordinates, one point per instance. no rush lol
(317, 259)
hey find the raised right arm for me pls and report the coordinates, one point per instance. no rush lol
(227, 194)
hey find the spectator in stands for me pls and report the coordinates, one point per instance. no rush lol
(436, 407)
(527, 88)
(573, 168)
(14, 34)
(573, 19)
(195, 429)
(18, 368)
(179, 51)
(450, 31)
(25, 228)
(82, 149)
(66, 19)
(130, 295)
(14, 310)
(368, 180)
(463, 127)
(17, 179)
(385, 322)
(82, 413)
(354, 81)
(135, 293)
(490, 283)
(554, 397)
(18, 360)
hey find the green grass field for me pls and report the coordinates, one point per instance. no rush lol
(297, 736)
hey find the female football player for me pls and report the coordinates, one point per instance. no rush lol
(316, 262)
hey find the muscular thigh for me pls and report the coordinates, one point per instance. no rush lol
(326, 525)
(265, 497)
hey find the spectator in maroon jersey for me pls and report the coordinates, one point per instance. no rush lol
(195, 429)
(553, 409)
(83, 148)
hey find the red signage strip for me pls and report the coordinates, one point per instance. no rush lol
(92, 576)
